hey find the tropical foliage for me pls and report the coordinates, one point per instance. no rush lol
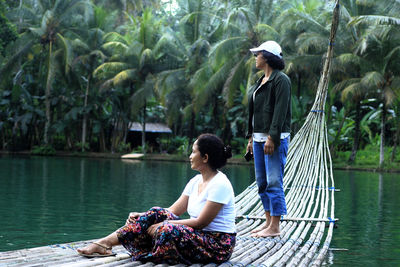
(75, 73)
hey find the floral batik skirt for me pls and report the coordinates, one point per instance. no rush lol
(173, 243)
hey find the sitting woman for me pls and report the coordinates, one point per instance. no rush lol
(160, 236)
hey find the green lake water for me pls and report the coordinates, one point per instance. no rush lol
(57, 200)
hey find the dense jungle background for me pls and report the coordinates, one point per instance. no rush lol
(75, 73)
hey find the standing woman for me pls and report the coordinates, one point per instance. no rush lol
(160, 236)
(269, 133)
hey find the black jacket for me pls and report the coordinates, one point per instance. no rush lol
(272, 106)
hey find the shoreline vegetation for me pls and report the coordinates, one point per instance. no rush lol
(338, 162)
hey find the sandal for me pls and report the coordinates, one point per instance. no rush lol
(97, 254)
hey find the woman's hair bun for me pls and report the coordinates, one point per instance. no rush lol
(227, 151)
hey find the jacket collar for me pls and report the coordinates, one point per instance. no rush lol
(273, 76)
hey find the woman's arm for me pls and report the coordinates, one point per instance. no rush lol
(207, 215)
(180, 205)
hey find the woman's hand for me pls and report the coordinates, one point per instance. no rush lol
(269, 146)
(152, 229)
(250, 145)
(133, 216)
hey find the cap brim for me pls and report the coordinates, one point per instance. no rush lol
(255, 50)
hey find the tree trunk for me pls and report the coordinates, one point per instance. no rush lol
(298, 85)
(333, 145)
(116, 134)
(192, 121)
(47, 98)
(144, 130)
(102, 140)
(85, 117)
(356, 135)
(395, 141)
(3, 139)
(382, 146)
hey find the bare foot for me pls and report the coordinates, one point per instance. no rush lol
(95, 250)
(269, 232)
(260, 228)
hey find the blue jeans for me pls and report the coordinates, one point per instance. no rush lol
(269, 176)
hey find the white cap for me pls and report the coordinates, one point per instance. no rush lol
(269, 46)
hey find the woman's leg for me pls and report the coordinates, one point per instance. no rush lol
(134, 237)
(174, 244)
(261, 179)
(277, 206)
(102, 246)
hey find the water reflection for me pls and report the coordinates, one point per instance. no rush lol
(369, 209)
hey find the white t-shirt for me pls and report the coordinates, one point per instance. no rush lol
(218, 190)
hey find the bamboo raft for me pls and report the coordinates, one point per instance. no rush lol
(309, 189)
(298, 245)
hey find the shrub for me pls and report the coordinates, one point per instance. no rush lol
(44, 150)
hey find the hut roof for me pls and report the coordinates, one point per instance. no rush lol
(151, 127)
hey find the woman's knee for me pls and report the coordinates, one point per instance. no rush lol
(156, 209)
(165, 230)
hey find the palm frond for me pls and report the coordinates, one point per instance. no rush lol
(37, 31)
(109, 69)
(139, 98)
(351, 91)
(373, 79)
(147, 30)
(249, 16)
(99, 54)
(124, 77)
(167, 45)
(390, 58)
(20, 48)
(232, 83)
(68, 53)
(310, 42)
(116, 47)
(48, 19)
(79, 44)
(267, 32)
(375, 20)
(190, 18)
(168, 81)
(347, 63)
(64, 10)
(340, 86)
(114, 37)
(389, 96)
(188, 112)
(226, 49)
(348, 58)
(211, 85)
(146, 58)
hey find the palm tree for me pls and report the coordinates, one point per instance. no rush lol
(304, 28)
(56, 20)
(89, 57)
(133, 65)
(379, 43)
